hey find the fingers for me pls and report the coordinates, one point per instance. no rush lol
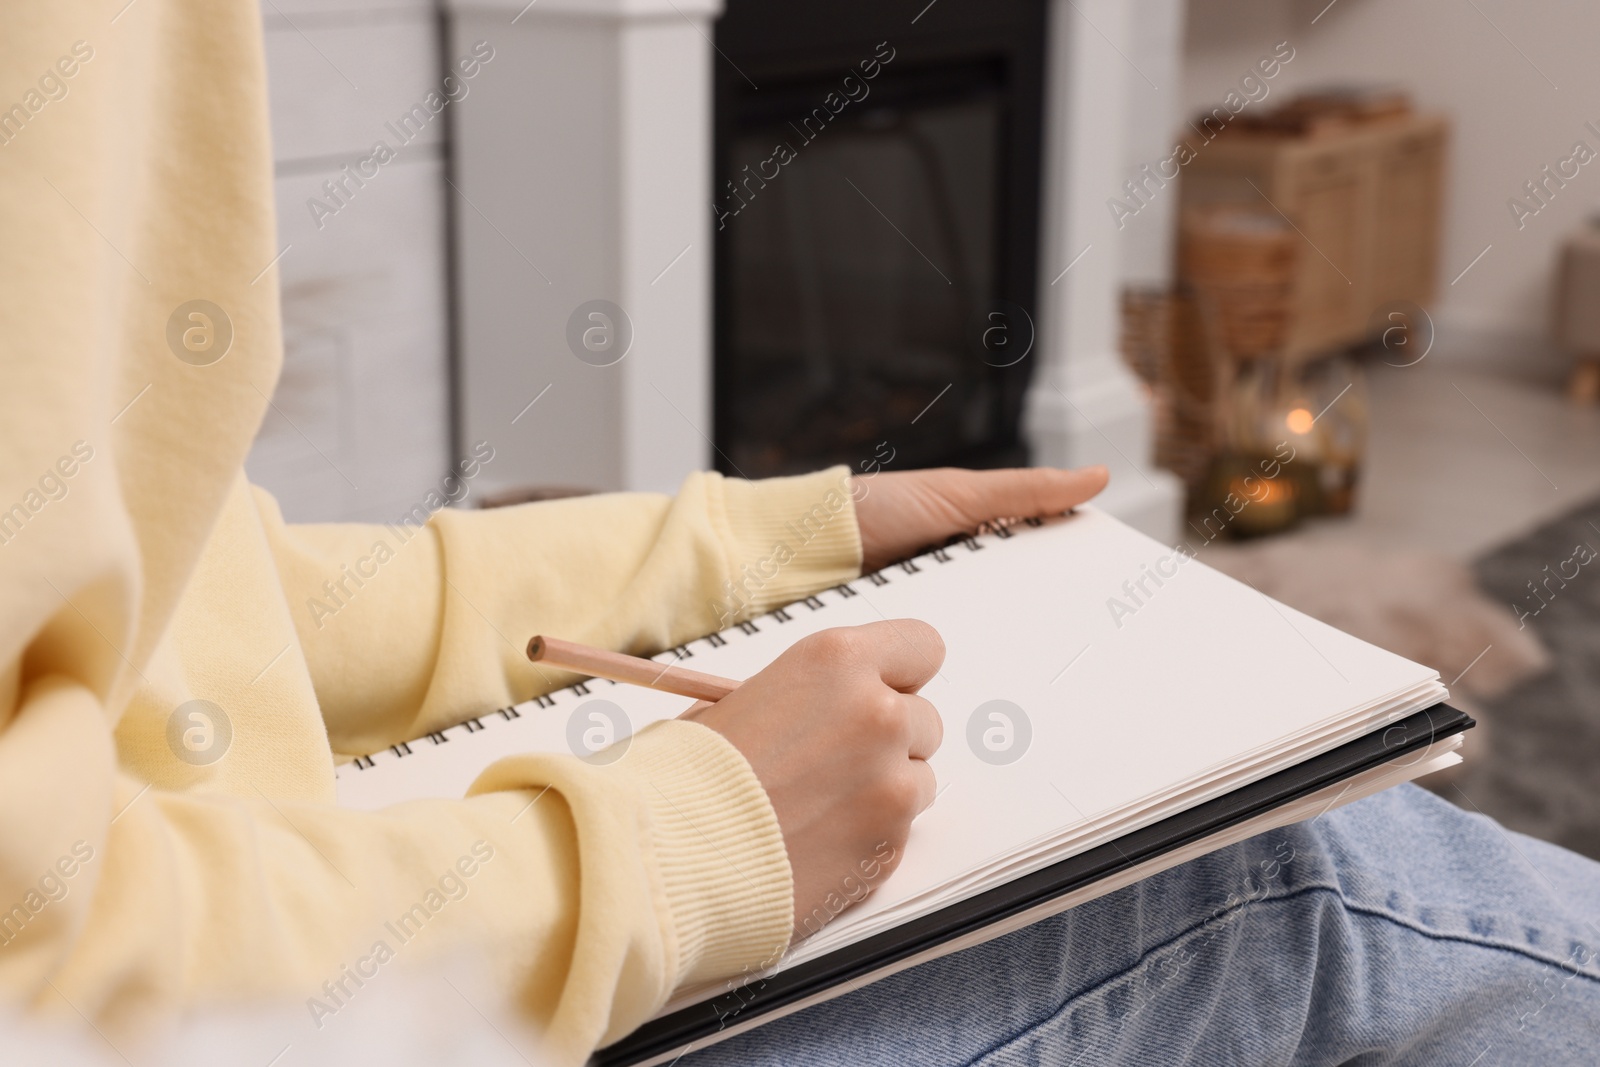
(907, 652)
(927, 785)
(1029, 492)
(925, 726)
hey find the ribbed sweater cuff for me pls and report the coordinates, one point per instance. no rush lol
(719, 852)
(787, 537)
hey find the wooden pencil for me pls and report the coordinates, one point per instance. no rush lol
(620, 667)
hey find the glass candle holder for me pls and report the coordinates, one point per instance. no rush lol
(1339, 388)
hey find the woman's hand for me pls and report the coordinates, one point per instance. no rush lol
(839, 738)
(902, 511)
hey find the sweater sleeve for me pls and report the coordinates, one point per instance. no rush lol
(589, 893)
(139, 343)
(407, 630)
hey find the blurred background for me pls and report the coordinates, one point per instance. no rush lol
(1317, 280)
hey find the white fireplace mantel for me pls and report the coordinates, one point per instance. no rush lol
(582, 166)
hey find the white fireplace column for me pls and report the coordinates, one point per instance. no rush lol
(1084, 405)
(583, 173)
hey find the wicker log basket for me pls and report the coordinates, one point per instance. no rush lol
(1232, 306)
(1241, 261)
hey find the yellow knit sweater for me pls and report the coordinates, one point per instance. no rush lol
(140, 573)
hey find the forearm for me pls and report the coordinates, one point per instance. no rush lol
(421, 633)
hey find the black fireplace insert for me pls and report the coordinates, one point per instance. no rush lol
(876, 208)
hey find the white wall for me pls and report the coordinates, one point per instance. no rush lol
(359, 426)
(1153, 81)
(1509, 122)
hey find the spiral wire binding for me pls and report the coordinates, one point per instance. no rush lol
(1000, 530)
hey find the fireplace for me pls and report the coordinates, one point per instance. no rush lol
(937, 246)
(876, 206)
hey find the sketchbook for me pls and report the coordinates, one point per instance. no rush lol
(1112, 707)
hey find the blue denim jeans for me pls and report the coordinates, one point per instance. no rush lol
(1397, 930)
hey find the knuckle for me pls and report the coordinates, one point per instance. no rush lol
(836, 645)
(882, 714)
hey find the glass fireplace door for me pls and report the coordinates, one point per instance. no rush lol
(860, 269)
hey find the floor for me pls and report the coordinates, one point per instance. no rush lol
(1538, 774)
(1462, 460)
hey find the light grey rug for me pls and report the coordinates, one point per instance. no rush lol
(1540, 773)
